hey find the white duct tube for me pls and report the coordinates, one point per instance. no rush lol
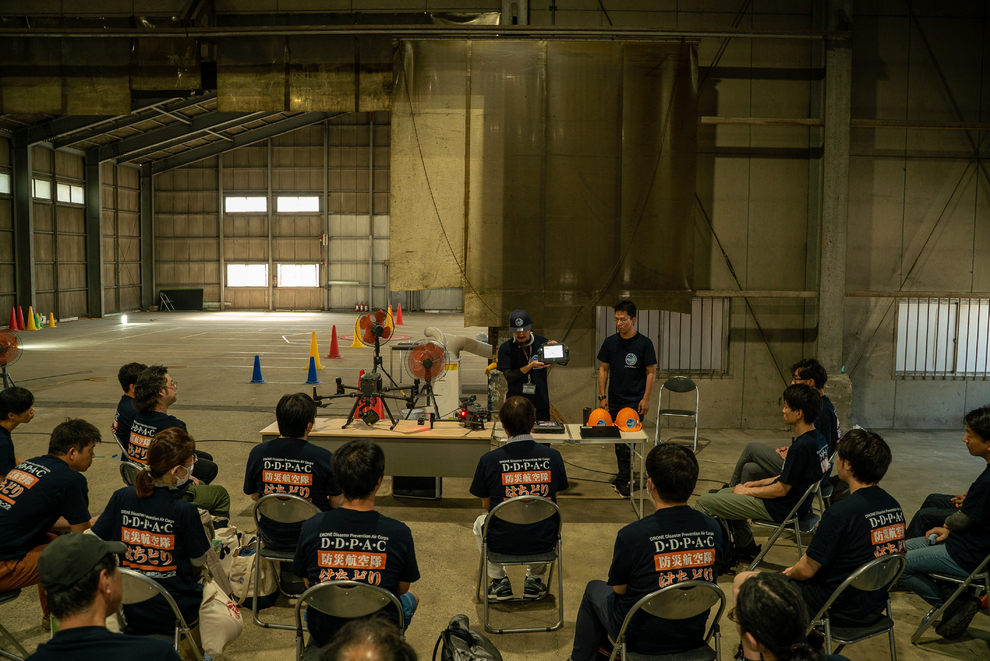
(455, 344)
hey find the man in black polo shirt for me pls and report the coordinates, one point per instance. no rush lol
(16, 408)
(42, 496)
(84, 587)
(628, 366)
(775, 497)
(518, 361)
(522, 467)
(123, 418)
(290, 464)
(154, 392)
(760, 461)
(353, 542)
(675, 544)
(866, 525)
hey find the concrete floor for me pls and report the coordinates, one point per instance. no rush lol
(72, 371)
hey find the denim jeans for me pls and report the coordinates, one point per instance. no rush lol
(923, 559)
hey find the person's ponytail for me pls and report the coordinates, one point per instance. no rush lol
(144, 484)
(169, 448)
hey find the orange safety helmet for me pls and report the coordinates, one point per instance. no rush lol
(599, 418)
(628, 420)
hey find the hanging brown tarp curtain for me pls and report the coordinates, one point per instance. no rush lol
(551, 176)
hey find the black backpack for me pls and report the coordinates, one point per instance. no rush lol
(462, 643)
(730, 555)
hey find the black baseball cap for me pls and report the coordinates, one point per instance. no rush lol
(70, 557)
(520, 321)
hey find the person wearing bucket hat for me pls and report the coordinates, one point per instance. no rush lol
(517, 360)
(79, 572)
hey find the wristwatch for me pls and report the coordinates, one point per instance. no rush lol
(601, 397)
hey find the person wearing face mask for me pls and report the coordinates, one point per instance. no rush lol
(163, 533)
(518, 361)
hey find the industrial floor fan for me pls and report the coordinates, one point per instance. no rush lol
(427, 361)
(10, 352)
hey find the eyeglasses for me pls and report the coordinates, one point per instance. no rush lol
(732, 615)
(623, 321)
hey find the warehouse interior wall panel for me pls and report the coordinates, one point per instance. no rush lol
(7, 296)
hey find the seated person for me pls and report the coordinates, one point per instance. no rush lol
(774, 497)
(759, 461)
(521, 467)
(290, 464)
(127, 375)
(354, 542)
(933, 512)
(154, 392)
(79, 573)
(962, 541)
(866, 525)
(16, 408)
(42, 497)
(163, 533)
(772, 620)
(675, 544)
(366, 640)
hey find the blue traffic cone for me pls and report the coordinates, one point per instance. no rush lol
(312, 380)
(257, 371)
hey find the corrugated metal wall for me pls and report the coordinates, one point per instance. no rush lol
(187, 239)
(6, 235)
(121, 238)
(59, 238)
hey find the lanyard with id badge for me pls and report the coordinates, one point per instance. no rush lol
(529, 388)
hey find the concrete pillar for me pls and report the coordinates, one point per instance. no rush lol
(835, 203)
(147, 225)
(94, 235)
(23, 222)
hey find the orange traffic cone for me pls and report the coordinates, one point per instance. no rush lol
(398, 316)
(379, 408)
(51, 320)
(20, 318)
(356, 344)
(314, 352)
(334, 349)
(32, 322)
(13, 320)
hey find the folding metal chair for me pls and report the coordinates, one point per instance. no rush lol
(129, 472)
(877, 574)
(981, 573)
(4, 598)
(280, 508)
(345, 599)
(522, 510)
(139, 588)
(682, 385)
(803, 525)
(679, 601)
(165, 302)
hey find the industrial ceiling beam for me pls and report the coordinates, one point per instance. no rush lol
(129, 120)
(147, 143)
(240, 140)
(556, 33)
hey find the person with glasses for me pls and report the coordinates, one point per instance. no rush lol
(628, 367)
(154, 392)
(163, 533)
(760, 461)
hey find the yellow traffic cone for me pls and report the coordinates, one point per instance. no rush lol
(356, 344)
(314, 351)
(32, 323)
(388, 321)
(51, 320)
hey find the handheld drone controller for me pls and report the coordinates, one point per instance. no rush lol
(554, 354)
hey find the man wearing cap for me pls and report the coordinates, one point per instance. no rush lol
(84, 586)
(518, 361)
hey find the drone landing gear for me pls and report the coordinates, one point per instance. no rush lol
(366, 401)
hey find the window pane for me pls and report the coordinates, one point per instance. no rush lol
(298, 275)
(62, 193)
(253, 204)
(4, 183)
(42, 188)
(247, 275)
(78, 197)
(293, 204)
(696, 343)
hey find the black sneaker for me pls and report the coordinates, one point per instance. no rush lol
(621, 488)
(749, 553)
(956, 618)
(717, 489)
(535, 588)
(500, 590)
